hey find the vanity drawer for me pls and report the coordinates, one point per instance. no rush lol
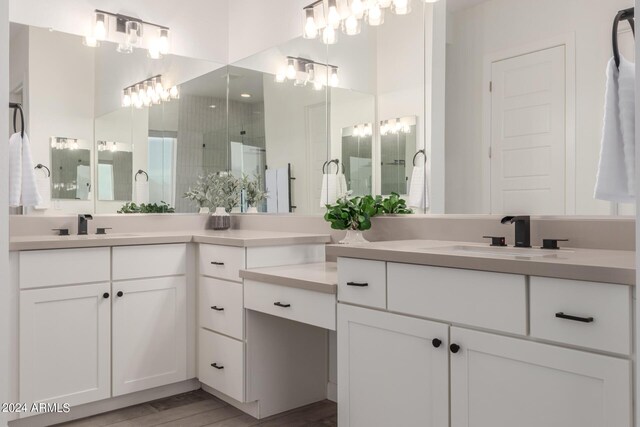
(223, 262)
(227, 354)
(64, 267)
(138, 262)
(221, 307)
(495, 301)
(362, 282)
(301, 305)
(586, 314)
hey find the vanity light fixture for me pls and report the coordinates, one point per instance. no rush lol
(303, 71)
(61, 143)
(129, 32)
(148, 92)
(324, 17)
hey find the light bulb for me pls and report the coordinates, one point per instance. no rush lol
(333, 78)
(291, 69)
(126, 98)
(163, 41)
(165, 96)
(310, 27)
(158, 87)
(100, 28)
(114, 148)
(151, 88)
(352, 26)
(174, 93)
(318, 85)
(401, 7)
(281, 75)
(53, 143)
(90, 41)
(75, 145)
(357, 8)
(131, 30)
(154, 49)
(375, 16)
(329, 35)
(333, 17)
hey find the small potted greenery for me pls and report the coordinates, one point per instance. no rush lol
(199, 194)
(354, 214)
(146, 208)
(219, 190)
(254, 194)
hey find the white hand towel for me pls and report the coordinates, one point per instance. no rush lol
(418, 188)
(23, 190)
(343, 188)
(616, 170)
(43, 182)
(329, 193)
(142, 191)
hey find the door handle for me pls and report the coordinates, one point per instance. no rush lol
(215, 365)
(561, 315)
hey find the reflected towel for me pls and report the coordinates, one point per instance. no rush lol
(329, 193)
(23, 190)
(419, 188)
(43, 183)
(142, 192)
(343, 188)
(616, 169)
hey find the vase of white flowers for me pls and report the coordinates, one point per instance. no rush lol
(219, 190)
(253, 192)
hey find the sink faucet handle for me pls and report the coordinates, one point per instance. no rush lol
(496, 240)
(552, 243)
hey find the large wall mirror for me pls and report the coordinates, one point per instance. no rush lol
(525, 91)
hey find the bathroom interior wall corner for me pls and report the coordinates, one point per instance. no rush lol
(5, 300)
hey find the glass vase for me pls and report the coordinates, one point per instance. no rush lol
(353, 237)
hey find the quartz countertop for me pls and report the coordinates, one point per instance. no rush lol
(319, 277)
(595, 265)
(240, 238)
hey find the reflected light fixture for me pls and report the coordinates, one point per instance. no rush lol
(129, 33)
(245, 95)
(303, 72)
(323, 17)
(148, 92)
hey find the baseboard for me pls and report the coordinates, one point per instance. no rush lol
(251, 408)
(332, 392)
(106, 405)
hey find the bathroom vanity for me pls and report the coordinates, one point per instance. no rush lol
(468, 335)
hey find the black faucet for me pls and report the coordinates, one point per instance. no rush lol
(523, 229)
(83, 221)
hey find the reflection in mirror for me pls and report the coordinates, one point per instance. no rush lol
(115, 171)
(525, 104)
(356, 158)
(70, 169)
(397, 150)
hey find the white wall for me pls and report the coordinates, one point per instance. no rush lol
(199, 28)
(6, 302)
(497, 25)
(61, 88)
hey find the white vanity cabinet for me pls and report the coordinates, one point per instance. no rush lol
(507, 359)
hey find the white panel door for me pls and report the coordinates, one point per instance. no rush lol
(390, 373)
(528, 133)
(149, 333)
(65, 344)
(505, 382)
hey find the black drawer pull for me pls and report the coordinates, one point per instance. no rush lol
(215, 365)
(217, 263)
(216, 308)
(561, 315)
(279, 304)
(359, 285)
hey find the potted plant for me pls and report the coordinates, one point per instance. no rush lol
(219, 190)
(199, 194)
(254, 193)
(130, 208)
(354, 214)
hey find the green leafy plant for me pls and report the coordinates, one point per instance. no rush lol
(146, 208)
(395, 205)
(253, 190)
(356, 213)
(217, 189)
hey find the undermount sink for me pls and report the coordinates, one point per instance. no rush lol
(500, 251)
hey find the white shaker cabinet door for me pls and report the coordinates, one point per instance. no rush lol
(391, 372)
(505, 382)
(65, 344)
(149, 333)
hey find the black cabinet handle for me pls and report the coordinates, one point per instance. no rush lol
(359, 285)
(454, 348)
(215, 365)
(120, 293)
(105, 295)
(279, 304)
(217, 263)
(216, 308)
(561, 315)
(436, 342)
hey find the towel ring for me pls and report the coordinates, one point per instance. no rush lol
(337, 163)
(141, 172)
(415, 156)
(41, 166)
